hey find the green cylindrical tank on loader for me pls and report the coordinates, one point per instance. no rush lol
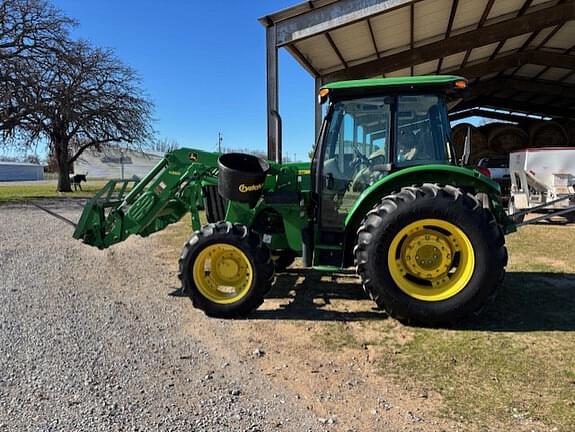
(383, 193)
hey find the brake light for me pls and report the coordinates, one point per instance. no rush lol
(485, 171)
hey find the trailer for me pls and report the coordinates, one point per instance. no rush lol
(542, 181)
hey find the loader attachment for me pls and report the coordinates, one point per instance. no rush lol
(163, 197)
(99, 212)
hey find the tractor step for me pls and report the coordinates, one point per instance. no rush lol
(327, 256)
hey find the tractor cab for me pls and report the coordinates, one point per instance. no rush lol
(372, 129)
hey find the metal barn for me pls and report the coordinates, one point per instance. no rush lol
(21, 171)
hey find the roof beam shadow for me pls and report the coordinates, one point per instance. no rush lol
(528, 108)
(539, 88)
(542, 58)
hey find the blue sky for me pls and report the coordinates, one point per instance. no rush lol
(203, 65)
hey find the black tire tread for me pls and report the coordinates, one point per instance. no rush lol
(252, 245)
(214, 204)
(391, 203)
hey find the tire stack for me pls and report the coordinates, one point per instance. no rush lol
(479, 147)
(547, 134)
(497, 139)
(569, 126)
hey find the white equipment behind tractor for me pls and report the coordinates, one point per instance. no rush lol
(542, 181)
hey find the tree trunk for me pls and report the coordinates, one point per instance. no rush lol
(61, 150)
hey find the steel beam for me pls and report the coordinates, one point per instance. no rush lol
(452, 13)
(302, 60)
(274, 152)
(482, 20)
(330, 17)
(317, 108)
(528, 23)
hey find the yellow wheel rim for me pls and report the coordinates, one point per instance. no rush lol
(222, 273)
(431, 260)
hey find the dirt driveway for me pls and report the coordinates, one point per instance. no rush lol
(100, 340)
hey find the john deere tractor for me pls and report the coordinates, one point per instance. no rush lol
(385, 193)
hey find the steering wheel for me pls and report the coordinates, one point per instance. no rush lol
(359, 158)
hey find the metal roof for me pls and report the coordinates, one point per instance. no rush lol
(20, 164)
(519, 55)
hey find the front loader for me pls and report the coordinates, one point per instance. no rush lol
(384, 193)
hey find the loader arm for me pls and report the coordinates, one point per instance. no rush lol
(172, 189)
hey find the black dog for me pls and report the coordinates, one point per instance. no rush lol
(77, 179)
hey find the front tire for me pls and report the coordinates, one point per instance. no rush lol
(430, 255)
(226, 270)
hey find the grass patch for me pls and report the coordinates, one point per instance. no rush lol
(491, 378)
(17, 192)
(336, 336)
(513, 367)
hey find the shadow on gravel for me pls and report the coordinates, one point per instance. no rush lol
(310, 297)
(63, 203)
(530, 301)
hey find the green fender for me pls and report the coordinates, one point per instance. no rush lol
(442, 174)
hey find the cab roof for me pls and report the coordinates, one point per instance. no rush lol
(408, 81)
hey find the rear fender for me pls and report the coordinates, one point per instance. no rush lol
(467, 179)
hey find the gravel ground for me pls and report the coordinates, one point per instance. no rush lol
(91, 341)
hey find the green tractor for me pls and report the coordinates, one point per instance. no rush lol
(384, 193)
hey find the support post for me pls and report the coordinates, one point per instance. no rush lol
(317, 105)
(274, 150)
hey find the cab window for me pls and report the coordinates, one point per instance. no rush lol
(357, 143)
(422, 130)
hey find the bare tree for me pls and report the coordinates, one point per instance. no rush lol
(29, 30)
(82, 97)
(164, 145)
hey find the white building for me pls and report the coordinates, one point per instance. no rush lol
(21, 171)
(116, 163)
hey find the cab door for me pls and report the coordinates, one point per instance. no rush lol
(355, 144)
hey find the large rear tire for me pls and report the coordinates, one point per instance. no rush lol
(226, 270)
(430, 255)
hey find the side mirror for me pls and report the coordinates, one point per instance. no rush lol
(466, 148)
